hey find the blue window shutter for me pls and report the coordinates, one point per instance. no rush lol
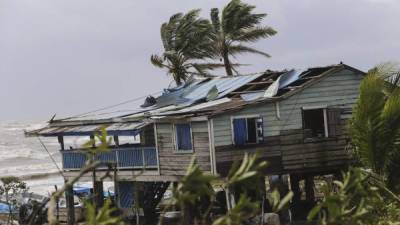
(183, 136)
(239, 131)
(125, 192)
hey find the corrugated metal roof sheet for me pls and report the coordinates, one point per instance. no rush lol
(225, 85)
(191, 98)
(131, 128)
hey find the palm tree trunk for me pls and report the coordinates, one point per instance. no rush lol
(227, 63)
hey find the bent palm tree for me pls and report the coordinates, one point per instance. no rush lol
(186, 40)
(375, 124)
(236, 26)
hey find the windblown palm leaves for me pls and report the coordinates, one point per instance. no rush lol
(236, 26)
(375, 125)
(186, 40)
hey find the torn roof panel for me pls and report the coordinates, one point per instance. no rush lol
(225, 85)
(126, 128)
(195, 108)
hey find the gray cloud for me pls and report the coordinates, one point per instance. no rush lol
(73, 56)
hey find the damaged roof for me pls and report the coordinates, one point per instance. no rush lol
(197, 97)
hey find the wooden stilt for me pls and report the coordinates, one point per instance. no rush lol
(294, 185)
(137, 195)
(69, 197)
(152, 194)
(116, 188)
(309, 186)
(98, 194)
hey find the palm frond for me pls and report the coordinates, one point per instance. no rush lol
(254, 34)
(241, 49)
(237, 16)
(157, 61)
(215, 21)
(375, 126)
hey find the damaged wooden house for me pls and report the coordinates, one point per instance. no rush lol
(295, 119)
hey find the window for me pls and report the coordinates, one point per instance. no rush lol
(183, 137)
(315, 121)
(247, 130)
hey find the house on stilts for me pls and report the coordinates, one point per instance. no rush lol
(295, 119)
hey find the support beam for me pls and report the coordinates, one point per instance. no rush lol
(69, 197)
(116, 140)
(98, 195)
(309, 186)
(294, 185)
(138, 199)
(61, 142)
(93, 141)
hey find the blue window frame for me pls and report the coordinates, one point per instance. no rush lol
(247, 130)
(183, 138)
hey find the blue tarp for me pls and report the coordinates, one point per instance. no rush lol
(4, 208)
(81, 190)
(86, 190)
(240, 131)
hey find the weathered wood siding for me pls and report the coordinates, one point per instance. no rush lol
(339, 90)
(175, 163)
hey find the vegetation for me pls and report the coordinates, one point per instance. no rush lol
(236, 26)
(10, 188)
(375, 124)
(191, 42)
(195, 195)
(356, 200)
(186, 40)
(104, 216)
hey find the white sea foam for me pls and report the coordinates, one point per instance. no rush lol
(25, 156)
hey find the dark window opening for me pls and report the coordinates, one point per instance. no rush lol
(251, 130)
(248, 130)
(313, 120)
(183, 137)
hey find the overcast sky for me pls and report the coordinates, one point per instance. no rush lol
(73, 56)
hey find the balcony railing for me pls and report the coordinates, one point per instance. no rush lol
(124, 157)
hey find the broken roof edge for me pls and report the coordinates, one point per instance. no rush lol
(180, 111)
(335, 68)
(116, 128)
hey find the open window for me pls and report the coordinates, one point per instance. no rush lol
(247, 130)
(183, 137)
(322, 122)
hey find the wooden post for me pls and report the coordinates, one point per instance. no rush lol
(294, 185)
(137, 190)
(61, 141)
(116, 189)
(58, 205)
(93, 140)
(116, 140)
(98, 195)
(309, 186)
(69, 197)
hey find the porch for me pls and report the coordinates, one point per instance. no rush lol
(125, 158)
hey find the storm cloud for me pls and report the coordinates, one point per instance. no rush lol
(73, 56)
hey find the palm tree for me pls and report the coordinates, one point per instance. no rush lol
(236, 26)
(186, 40)
(375, 124)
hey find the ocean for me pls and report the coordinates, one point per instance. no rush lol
(26, 158)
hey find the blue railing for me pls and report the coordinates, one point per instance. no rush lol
(125, 158)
